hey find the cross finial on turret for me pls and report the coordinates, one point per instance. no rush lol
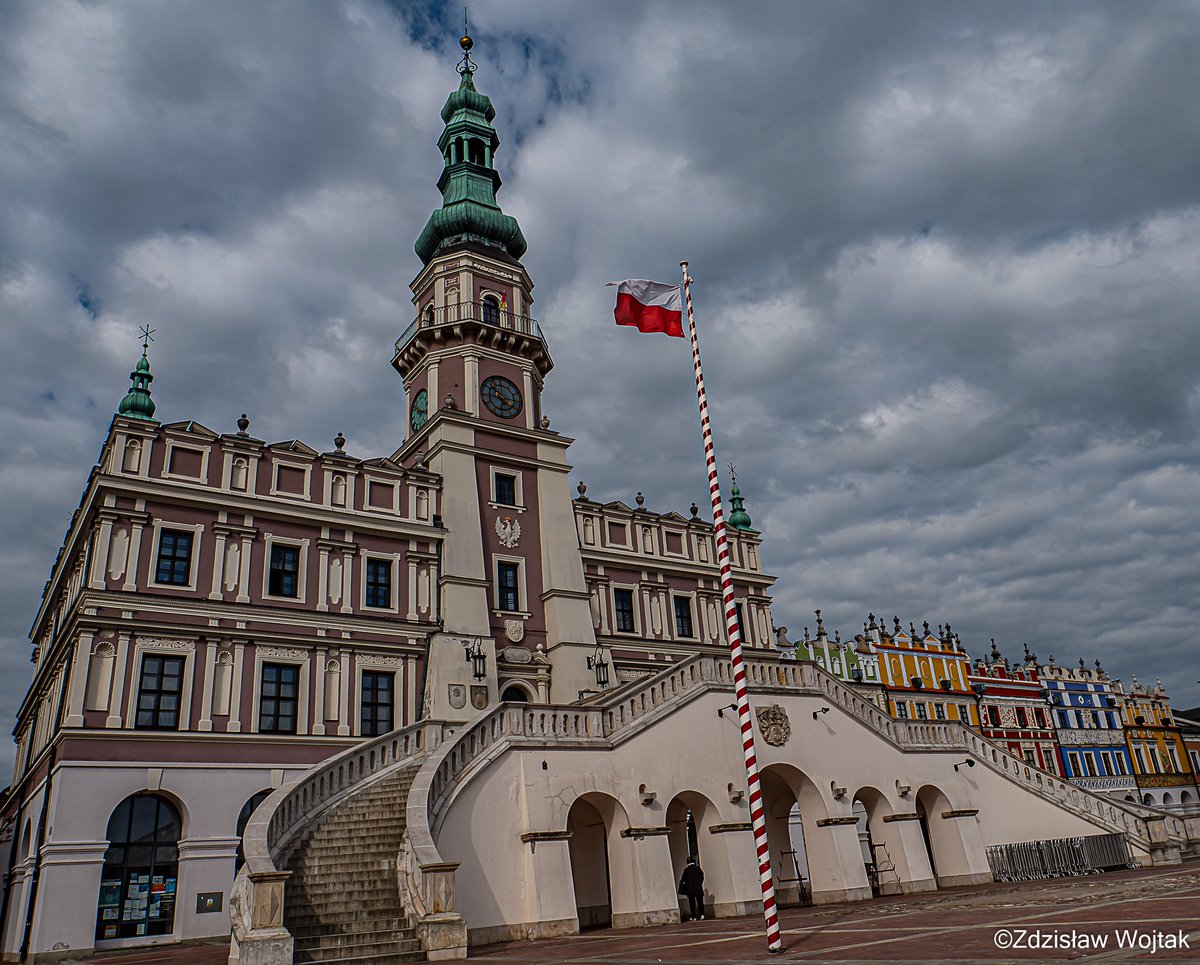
(147, 334)
(466, 65)
(733, 473)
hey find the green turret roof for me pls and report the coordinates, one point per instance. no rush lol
(137, 403)
(739, 518)
(469, 182)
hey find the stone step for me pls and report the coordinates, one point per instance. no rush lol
(381, 925)
(350, 957)
(317, 952)
(396, 936)
(344, 920)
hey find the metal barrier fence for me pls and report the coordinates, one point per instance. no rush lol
(1059, 857)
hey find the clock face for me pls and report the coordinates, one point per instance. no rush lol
(502, 398)
(420, 410)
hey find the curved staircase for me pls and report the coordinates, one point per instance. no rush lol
(341, 903)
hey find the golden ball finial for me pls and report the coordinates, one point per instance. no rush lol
(466, 42)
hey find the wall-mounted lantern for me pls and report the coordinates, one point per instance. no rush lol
(599, 666)
(473, 654)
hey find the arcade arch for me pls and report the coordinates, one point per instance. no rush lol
(943, 838)
(602, 869)
(138, 884)
(690, 816)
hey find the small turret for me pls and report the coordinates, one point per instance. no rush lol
(137, 403)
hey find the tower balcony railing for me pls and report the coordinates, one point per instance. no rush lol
(486, 312)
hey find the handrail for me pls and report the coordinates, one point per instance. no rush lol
(485, 313)
(256, 900)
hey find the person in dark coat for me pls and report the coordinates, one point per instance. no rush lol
(692, 885)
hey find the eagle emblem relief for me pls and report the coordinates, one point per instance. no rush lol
(509, 531)
(773, 722)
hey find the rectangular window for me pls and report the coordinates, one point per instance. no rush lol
(159, 693)
(506, 489)
(1029, 756)
(376, 703)
(509, 594)
(683, 616)
(740, 623)
(902, 711)
(285, 565)
(963, 715)
(922, 714)
(174, 557)
(379, 583)
(278, 698)
(1022, 719)
(994, 716)
(1063, 719)
(623, 607)
(939, 711)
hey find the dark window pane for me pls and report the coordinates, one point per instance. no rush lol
(159, 692)
(623, 606)
(277, 704)
(509, 593)
(379, 583)
(376, 703)
(683, 616)
(174, 557)
(285, 564)
(506, 489)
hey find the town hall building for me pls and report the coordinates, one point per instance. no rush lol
(411, 702)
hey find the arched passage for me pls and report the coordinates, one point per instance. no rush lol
(690, 816)
(139, 881)
(893, 851)
(943, 839)
(829, 844)
(602, 864)
(244, 818)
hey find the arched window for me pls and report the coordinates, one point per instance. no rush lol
(514, 694)
(475, 151)
(491, 310)
(243, 819)
(141, 870)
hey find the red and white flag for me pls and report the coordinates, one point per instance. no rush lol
(649, 306)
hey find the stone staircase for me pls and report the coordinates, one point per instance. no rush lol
(342, 901)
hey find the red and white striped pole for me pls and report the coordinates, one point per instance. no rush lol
(733, 631)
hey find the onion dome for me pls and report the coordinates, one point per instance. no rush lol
(469, 182)
(137, 403)
(739, 518)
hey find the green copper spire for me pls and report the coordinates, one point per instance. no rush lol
(137, 403)
(469, 182)
(739, 518)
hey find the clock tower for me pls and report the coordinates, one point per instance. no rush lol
(510, 582)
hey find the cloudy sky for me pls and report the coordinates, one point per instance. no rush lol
(945, 261)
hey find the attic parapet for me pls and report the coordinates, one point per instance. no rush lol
(669, 538)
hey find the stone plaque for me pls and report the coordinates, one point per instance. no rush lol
(479, 698)
(458, 696)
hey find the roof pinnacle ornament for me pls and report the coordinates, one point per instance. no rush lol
(137, 403)
(466, 65)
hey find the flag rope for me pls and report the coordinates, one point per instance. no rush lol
(733, 631)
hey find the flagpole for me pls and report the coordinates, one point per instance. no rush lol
(733, 631)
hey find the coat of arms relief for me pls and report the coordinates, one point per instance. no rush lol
(773, 722)
(509, 531)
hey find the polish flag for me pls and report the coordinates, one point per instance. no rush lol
(649, 306)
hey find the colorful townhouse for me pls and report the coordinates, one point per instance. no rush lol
(1013, 711)
(1165, 776)
(1091, 738)
(925, 674)
(855, 662)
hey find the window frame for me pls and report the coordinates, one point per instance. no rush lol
(503, 564)
(363, 704)
(159, 525)
(676, 599)
(159, 692)
(513, 476)
(262, 696)
(386, 564)
(301, 548)
(617, 611)
(164, 533)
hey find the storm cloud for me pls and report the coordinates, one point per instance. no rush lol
(945, 261)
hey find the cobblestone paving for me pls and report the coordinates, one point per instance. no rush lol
(957, 927)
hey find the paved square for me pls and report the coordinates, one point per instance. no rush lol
(957, 927)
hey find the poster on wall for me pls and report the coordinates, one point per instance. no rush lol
(110, 931)
(110, 892)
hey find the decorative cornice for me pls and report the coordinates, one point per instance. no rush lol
(288, 653)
